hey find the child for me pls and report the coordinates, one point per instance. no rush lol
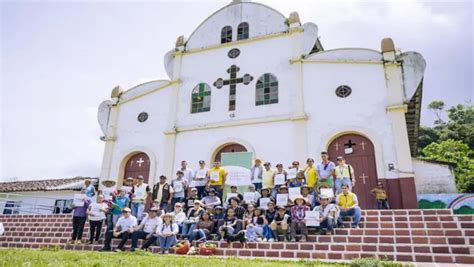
(298, 213)
(96, 214)
(381, 196)
(248, 215)
(179, 188)
(280, 224)
(256, 228)
(167, 232)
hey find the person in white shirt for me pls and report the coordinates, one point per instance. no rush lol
(146, 228)
(201, 178)
(96, 215)
(211, 200)
(123, 230)
(328, 214)
(255, 195)
(179, 215)
(188, 175)
(166, 233)
(139, 197)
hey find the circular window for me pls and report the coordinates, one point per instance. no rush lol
(343, 91)
(142, 117)
(233, 53)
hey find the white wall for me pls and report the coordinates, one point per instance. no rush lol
(37, 202)
(433, 177)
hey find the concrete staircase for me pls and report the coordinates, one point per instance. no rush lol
(400, 235)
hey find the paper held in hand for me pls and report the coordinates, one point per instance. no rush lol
(215, 176)
(107, 191)
(294, 192)
(279, 179)
(312, 218)
(327, 192)
(291, 173)
(282, 200)
(79, 200)
(178, 186)
(201, 173)
(263, 202)
(249, 197)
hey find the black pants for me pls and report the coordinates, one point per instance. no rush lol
(95, 228)
(110, 234)
(77, 227)
(150, 242)
(138, 235)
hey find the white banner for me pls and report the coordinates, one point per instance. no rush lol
(312, 218)
(237, 175)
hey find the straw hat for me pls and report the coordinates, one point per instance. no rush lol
(169, 214)
(108, 180)
(299, 197)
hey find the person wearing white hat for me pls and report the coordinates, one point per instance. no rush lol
(328, 214)
(167, 232)
(298, 213)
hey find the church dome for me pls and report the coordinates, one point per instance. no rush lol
(261, 20)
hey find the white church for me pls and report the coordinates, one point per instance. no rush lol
(252, 79)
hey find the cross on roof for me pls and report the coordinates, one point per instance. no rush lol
(232, 82)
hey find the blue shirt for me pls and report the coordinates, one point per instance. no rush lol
(119, 204)
(90, 191)
(325, 169)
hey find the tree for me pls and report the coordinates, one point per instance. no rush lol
(437, 106)
(455, 151)
(426, 136)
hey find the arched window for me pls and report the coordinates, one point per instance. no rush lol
(226, 35)
(243, 31)
(201, 98)
(266, 90)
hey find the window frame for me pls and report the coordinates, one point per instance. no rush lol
(199, 105)
(266, 90)
(226, 34)
(243, 31)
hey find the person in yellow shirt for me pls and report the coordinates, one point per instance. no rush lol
(349, 206)
(310, 173)
(268, 177)
(381, 196)
(217, 178)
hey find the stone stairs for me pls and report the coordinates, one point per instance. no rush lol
(401, 235)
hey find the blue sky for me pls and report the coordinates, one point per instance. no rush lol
(60, 59)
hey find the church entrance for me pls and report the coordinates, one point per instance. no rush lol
(230, 148)
(359, 153)
(139, 164)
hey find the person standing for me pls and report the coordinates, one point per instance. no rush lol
(119, 202)
(201, 178)
(326, 170)
(188, 175)
(268, 177)
(180, 187)
(88, 188)
(218, 176)
(96, 215)
(140, 194)
(256, 173)
(79, 217)
(162, 192)
(344, 175)
(310, 173)
(381, 196)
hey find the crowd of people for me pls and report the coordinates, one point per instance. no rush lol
(193, 207)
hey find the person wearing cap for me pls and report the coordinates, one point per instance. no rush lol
(201, 178)
(163, 192)
(179, 215)
(256, 173)
(279, 172)
(380, 196)
(344, 174)
(146, 228)
(349, 206)
(298, 213)
(253, 193)
(89, 188)
(328, 214)
(139, 195)
(167, 232)
(233, 193)
(218, 176)
(326, 170)
(310, 173)
(193, 196)
(189, 224)
(118, 204)
(299, 181)
(180, 187)
(280, 224)
(122, 230)
(96, 214)
(268, 175)
(211, 199)
(293, 171)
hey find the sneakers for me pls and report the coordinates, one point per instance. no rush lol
(322, 232)
(285, 239)
(355, 227)
(132, 249)
(293, 240)
(70, 242)
(78, 242)
(118, 250)
(271, 240)
(303, 239)
(104, 249)
(265, 240)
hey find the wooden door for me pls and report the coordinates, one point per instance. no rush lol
(138, 164)
(229, 149)
(359, 153)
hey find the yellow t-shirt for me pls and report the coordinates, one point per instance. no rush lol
(267, 178)
(379, 193)
(311, 176)
(216, 174)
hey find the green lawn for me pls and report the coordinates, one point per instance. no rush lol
(54, 258)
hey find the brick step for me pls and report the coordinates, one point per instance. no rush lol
(279, 253)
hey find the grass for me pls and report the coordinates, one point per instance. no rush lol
(57, 257)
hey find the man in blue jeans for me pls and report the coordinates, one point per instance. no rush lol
(349, 206)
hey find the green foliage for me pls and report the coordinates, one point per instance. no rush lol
(426, 204)
(437, 106)
(460, 125)
(458, 153)
(464, 210)
(373, 262)
(426, 136)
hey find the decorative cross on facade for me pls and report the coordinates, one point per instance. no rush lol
(337, 146)
(232, 82)
(363, 177)
(140, 161)
(350, 144)
(363, 145)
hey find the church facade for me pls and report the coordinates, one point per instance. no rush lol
(252, 79)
